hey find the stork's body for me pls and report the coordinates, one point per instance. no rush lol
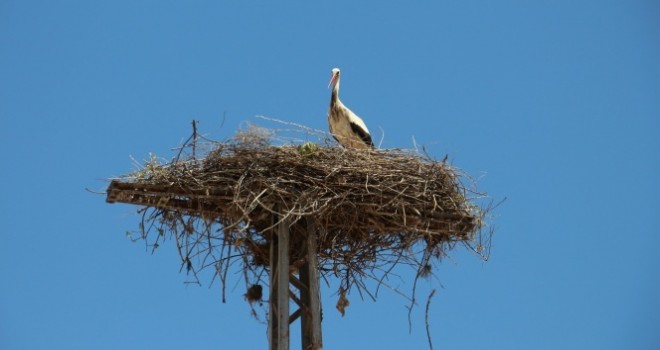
(346, 127)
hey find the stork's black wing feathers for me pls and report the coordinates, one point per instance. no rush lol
(363, 134)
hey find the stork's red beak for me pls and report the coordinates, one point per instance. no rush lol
(332, 80)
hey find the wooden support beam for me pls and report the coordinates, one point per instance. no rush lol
(295, 298)
(278, 319)
(309, 302)
(296, 283)
(294, 316)
(310, 294)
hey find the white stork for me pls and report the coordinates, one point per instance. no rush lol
(346, 127)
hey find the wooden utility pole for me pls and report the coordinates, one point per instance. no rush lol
(278, 318)
(309, 301)
(310, 292)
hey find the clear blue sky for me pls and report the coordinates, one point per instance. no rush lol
(552, 104)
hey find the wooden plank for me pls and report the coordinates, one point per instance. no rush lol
(278, 320)
(283, 285)
(272, 295)
(310, 294)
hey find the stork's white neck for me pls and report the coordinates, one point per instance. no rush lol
(334, 98)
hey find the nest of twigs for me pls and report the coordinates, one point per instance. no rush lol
(371, 209)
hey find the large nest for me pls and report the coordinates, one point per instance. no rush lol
(371, 209)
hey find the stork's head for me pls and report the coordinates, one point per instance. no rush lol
(335, 77)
